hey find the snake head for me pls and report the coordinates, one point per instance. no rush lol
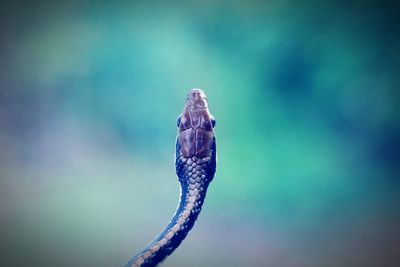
(196, 126)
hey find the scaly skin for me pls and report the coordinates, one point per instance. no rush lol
(195, 167)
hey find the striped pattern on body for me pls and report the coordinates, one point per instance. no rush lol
(195, 162)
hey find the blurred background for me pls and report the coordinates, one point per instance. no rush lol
(306, 101)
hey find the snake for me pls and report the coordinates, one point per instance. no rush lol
(195, 165)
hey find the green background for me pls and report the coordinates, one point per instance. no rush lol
(306, 101)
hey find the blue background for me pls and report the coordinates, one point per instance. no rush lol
(306, 101)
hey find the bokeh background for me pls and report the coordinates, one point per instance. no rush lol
(306, 100)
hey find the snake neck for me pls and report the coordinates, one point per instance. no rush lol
(194, 175)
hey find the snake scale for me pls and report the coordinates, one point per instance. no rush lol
(195, 163)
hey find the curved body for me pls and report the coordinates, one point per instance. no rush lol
(195, 162)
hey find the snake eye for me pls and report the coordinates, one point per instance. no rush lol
(178, 121)
(213, 122)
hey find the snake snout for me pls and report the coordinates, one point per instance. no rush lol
(196, 98)
(196, 93)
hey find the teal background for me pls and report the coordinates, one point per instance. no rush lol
(306, 101)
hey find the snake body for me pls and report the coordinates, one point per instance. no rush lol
(195, 163)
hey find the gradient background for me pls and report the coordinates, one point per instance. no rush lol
(306, 100)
